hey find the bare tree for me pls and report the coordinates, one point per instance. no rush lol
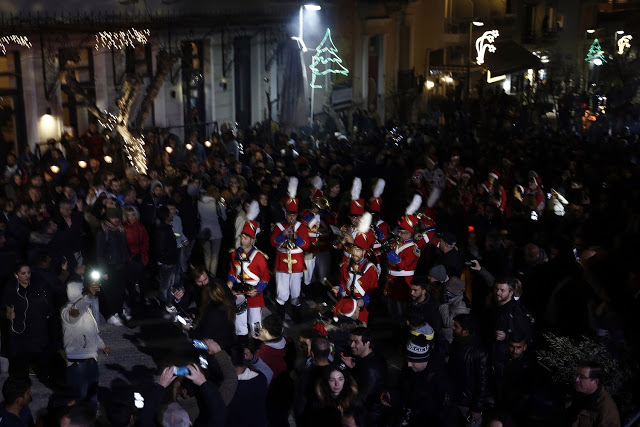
(129, 126)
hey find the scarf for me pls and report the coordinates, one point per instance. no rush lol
(107, 227)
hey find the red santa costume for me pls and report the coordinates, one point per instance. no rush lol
(359, 279)
(319, 221)
(403, 257)
(290, 241)
(356, 209)
(249, 268)
(497, 195)
(380, 227)
(534, 190)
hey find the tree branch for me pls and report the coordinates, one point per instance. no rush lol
(78, 91)
(164, 61)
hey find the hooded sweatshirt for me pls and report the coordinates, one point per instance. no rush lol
(81, 336)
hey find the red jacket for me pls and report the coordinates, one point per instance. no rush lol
(255, 270)
(290, 260)
(366, 281)
(401, 272)
(137, 240)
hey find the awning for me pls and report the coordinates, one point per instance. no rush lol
(509, 57)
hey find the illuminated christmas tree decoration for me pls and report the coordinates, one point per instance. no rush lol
(121, 39)
(326, 46)
(595, 54)
(624, 42)
(19, 40)
(484, 43)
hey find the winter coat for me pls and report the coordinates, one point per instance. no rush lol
(209, 221)
(469, 373)
(449, 311)
(81, 337)
(32, 307)
(111, 248)
(427, 394)
(137, 240)
(599, 410)
(165, 246)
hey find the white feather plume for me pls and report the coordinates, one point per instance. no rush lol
(365, 223)
(356, 188)
(293, 187)
(317, 182)
(254, 210)
(433, 197)
(377, 192)
(415, 204)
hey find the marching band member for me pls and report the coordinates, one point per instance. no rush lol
(359, 277)
(318, 220)
(291, 239)
(402, 261)
(248, 277)
(380, 227)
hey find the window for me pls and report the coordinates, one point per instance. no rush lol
(13, 129)
(193, 89)
(74, 112)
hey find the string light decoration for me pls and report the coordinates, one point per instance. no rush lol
(134, 148)
(133, 145)
(595, 54)
(110, 123)
(19, 40)
(484, 43)
(326, 46)
(624, 42)
(121, 39)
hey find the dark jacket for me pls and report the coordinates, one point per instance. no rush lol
(32, 307)
(165, 246)
(251, 393)
(71, 236)
(598, 409)
(469, 372)
(214, 324)
(18, 231)
(427, 394)
(370, 374)
(111, 249)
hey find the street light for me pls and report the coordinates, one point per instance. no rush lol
(299, 38)
(472, 23)
(591, 31)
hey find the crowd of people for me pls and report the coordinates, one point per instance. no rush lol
(393, 276)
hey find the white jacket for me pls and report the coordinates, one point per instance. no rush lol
(81, 336)
(209, 224)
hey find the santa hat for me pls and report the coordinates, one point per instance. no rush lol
(451, 182)
(417, 175)
(250, 227)
(409, 221)
(316, 182)
(432, 160)
(363, 236)
(455, 155)
(357, 204)
(494, 174)
(468, 172)
(291, 205)
(375, 202)
(346, 307)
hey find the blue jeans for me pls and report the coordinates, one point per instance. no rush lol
(166, 277)
(82, 379)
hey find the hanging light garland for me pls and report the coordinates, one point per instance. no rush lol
(19, 40)
(134, 148)
(121, 39)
